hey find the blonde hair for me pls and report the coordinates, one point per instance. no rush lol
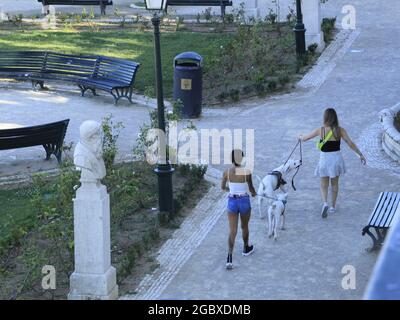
(331, 120)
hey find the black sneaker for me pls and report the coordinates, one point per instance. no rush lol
(324, 211)
(248, 250)
(229, 264)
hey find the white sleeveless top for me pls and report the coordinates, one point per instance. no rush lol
(237, 188)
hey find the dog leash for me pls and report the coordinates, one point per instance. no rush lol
(263, 196)
(293, 150)
(301, 162)
(272, 198)
(298, 144)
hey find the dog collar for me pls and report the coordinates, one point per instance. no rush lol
(278, 175)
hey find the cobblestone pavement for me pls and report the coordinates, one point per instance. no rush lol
(359, 80)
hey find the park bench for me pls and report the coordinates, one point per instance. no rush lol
(102, 3)
(112, 75)
(216, 3)
(50, 136)
(382, 217)
(115, 76)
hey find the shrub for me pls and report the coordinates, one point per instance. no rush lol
(283, 79)
(312, 48)
(328, 26)
(111, 133)
(234, 94)
(272, 85)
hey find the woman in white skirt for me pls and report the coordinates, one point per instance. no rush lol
(331, 165)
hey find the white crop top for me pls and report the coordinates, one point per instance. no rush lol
(237, 188)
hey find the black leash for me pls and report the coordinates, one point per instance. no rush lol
(301, 159)
(301, 162)
(294, 149)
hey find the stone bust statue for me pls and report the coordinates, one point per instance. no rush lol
(88, 153)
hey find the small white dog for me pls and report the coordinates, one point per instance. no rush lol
(272, 182)
(275, 212)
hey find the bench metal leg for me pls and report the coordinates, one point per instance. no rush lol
(377, 240)
(36, 83)
(122, 93)
(58, 154)
(52, 149)
(381, 233)
(84, 89)
(102, 9)
(223, 11)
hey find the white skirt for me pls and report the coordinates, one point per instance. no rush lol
(331, 164)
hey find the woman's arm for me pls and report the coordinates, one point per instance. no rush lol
(313, 134)
(224, 181)
(251, 186)
(352, 145)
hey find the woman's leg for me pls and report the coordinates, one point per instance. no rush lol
(335, 190)
(324, 188)
(244, 222)
(233, 219)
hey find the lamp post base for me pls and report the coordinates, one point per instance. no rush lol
(165, 193)
(300, 32)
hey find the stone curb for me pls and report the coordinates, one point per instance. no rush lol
(328, 59)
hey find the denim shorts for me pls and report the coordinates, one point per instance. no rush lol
(239, 204)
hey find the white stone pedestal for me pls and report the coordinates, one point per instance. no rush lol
(312, 21)
(94, 277)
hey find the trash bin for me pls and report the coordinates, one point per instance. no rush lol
(188, 83)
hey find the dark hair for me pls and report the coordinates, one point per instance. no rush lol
(331, 120)
(237, 157)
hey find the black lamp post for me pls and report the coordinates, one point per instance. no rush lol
(300, 31)
(164, 170)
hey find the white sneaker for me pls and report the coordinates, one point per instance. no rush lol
(229, 264)
(324, 211)
(332, 210)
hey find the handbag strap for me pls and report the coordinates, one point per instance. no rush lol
(325, 140)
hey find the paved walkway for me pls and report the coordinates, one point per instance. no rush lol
(307, 259)
(21, 106)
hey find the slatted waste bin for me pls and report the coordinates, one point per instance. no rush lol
(188, 83)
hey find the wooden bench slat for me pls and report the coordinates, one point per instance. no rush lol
(382, 209)
(113, 75)
(102, 3)
(390, 218)
(50, 136)
(386, 211)
(378, 205)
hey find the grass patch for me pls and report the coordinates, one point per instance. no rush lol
(125, 44)
(16, 218)
(240, 60)
(48, 237)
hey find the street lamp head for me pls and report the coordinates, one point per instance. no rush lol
(156, 4)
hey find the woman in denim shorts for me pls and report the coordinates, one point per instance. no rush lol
(239, 182)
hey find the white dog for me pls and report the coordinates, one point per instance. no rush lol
(275, 212)
(272, 182)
